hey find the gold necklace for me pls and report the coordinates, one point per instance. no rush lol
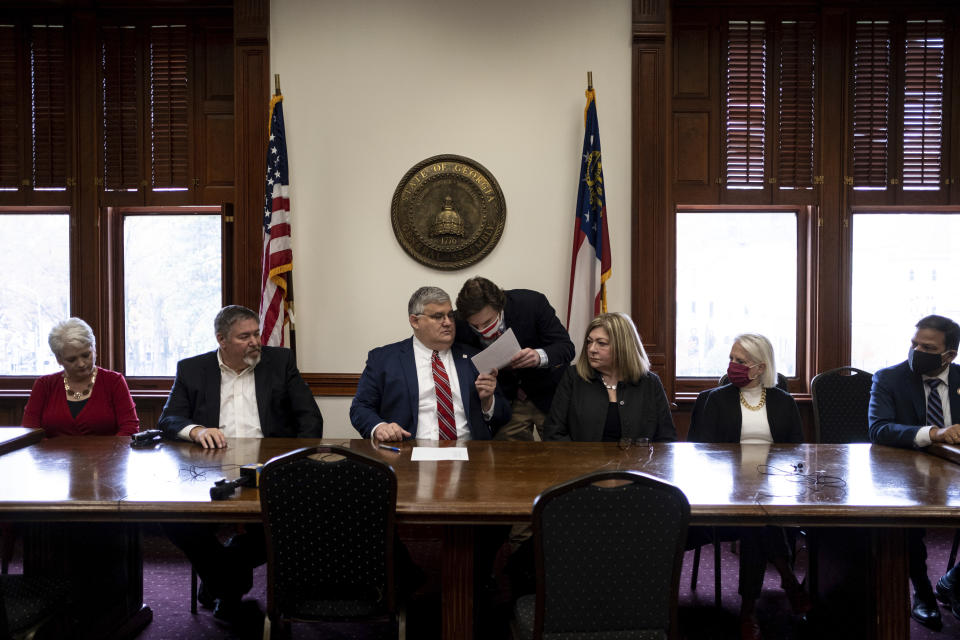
(763, 400)
(82, 392)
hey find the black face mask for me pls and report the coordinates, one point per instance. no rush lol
(922, 362)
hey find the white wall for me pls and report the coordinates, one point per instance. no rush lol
(373, 87)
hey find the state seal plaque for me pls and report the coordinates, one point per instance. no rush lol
(448, 212)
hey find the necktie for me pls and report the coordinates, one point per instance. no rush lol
(448, 428)
(934, 404)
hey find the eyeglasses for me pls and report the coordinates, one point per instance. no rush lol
(626, 443)
(438, 317)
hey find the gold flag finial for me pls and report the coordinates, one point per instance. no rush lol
(276, 84)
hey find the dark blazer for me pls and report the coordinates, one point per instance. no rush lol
(719, 417)
(285, 403)
(898, 406)
(388, 392)
(580, 408)
(536, 326)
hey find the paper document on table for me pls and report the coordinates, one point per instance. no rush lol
(498, 354)
(439, 453)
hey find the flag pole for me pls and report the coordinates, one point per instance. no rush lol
(289, 299)
(589, 80)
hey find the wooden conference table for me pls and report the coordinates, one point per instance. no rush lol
(880, 488)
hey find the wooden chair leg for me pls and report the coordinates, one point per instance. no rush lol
(717, 599)
(193, 590)
(695, 569)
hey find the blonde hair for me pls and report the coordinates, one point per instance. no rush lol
(760, 350)
(629, 357)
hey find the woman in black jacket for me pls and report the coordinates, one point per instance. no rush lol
(752, 411)
(610, 393)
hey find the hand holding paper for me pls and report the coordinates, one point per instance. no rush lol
(499, 354)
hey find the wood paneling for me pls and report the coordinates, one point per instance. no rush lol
(691, 136)
(691, 68)
(251, 99)
(652, 246)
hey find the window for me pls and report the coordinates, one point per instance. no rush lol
(35, 288)
(116, 156)
(736, 273)
(877, 116)
(171, 294)
(906, 265)
(923, 105)
(796, 100)
(871, 103)
(745, 104)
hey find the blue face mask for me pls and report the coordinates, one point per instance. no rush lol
(921, 362)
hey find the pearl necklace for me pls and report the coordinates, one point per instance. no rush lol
(608, 386)
(763, 400)
(82, 392)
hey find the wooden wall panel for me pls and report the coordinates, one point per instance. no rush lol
(652, 246)
(691, 61)
(251, 26)
(691, 149)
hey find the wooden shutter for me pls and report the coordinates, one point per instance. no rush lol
(871, 103)
(121, 122)
(923, 105)
(796, 99)
(49, 102)
(744, 108)
(9, 90)
(169, 112)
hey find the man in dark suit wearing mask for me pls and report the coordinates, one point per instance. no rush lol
(912, 405)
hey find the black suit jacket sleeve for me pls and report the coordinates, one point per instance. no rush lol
(188, 402)
(717, 416)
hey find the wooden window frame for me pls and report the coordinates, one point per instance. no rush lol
(114, 299)
(689, 386)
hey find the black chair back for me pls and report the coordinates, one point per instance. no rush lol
(608, 556)
(328, 513)
(841, 398)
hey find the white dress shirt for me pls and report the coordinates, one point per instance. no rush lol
(239, 414)
(428, 426)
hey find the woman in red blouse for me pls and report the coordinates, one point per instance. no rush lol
(83, 399)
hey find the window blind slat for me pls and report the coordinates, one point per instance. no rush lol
(796, 93)
(871, 103)
(9, 127)
(744, 108)
(118, 60)
(923, 104)
(168, 107)
(49, 103)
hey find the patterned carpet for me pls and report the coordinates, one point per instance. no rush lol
(167, 592)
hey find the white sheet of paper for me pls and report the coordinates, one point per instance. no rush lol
(420, 454)
(498, 354)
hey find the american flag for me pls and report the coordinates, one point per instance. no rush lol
(590, 265)
(276, 295)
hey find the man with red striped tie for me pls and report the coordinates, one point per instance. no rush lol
(425, 387)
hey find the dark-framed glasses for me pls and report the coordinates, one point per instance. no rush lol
(438, 317)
